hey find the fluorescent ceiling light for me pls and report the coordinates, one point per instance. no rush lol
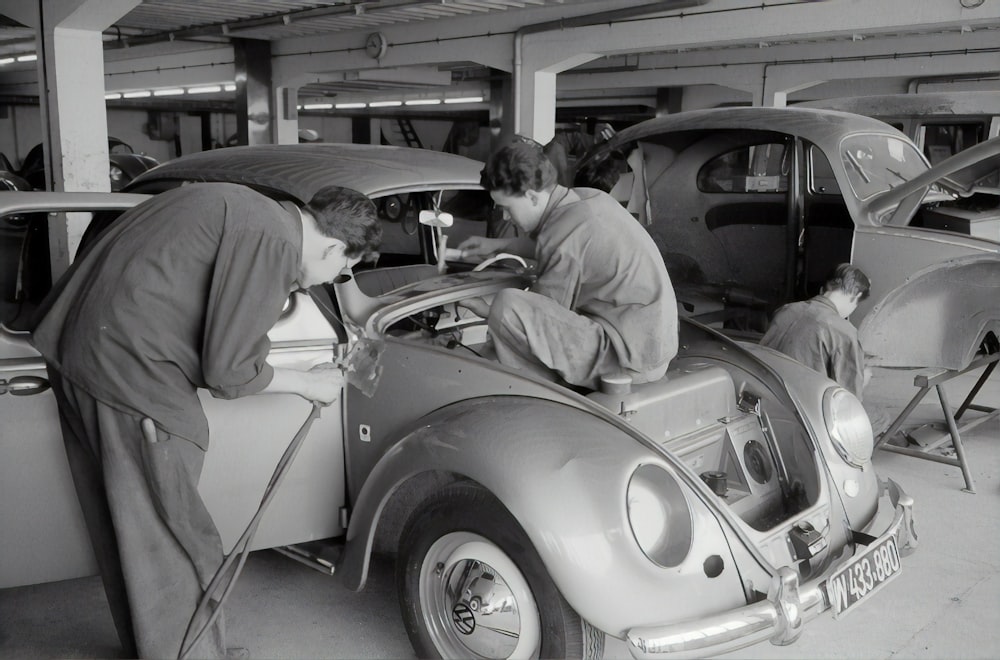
(208, 89)
(6, 60)
(385, 104)
(112, 96)
(317, 106)
(168, 92)
(347, 106)
(465, 99)
(137, 95)
(423, 102)
(231, 87)
(27, 58)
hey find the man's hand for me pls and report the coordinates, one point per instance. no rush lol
(480, 246)
(477, 306)
(321, 384)
(325, 383)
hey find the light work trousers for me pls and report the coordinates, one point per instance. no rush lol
(533, 332)
(155, 542)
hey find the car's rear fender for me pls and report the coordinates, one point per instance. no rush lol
(563, 473)
(944, 311)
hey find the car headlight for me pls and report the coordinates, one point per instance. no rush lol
(116, 173)
(659, 515)
(848, 425)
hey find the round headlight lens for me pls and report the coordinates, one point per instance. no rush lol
(659, 515)
(848, 425)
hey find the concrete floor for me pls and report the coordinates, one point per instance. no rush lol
(944, 604)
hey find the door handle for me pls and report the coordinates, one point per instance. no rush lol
(24, 385)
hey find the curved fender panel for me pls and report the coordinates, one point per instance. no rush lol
(937, 318)
(563, 473)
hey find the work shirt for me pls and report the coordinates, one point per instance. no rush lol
(814, 333)
(178, 294)
(596, 260)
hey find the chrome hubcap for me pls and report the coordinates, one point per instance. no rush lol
(476, 601)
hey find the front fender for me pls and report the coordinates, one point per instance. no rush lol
(563, 473)
(938, 317)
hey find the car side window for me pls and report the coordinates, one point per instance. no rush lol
(822, 180)
(759, 168)
(25, 272)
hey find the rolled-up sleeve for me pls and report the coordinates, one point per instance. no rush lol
(250, 287)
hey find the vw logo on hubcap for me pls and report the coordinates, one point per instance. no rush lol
(463, 618)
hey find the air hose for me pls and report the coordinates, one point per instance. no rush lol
(225, 579)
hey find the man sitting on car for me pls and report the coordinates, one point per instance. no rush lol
(602, 303)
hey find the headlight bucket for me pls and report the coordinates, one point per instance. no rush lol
(659, 515)
(848, 426)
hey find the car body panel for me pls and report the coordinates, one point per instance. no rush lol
(949, 309)
(581, 473)
(837, 194)
(248, 436)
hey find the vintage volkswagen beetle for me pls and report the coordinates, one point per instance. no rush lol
(753, 207)
(724, 505)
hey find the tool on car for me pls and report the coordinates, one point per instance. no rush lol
(362, 369)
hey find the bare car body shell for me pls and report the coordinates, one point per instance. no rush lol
(561, 461)
(773, 235)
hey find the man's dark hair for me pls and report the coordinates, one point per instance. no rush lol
(849, 279)
(518, 167)
(348, 216)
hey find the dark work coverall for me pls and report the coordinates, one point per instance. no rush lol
(178, 294)
(813, 332)
(602, 303)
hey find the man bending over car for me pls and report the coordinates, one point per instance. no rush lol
(179, 294)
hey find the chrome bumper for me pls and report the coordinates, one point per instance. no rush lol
(779, 617)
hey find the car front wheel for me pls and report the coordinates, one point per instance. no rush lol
(472, 585)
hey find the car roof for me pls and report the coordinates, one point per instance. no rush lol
(822, 127)
(929, 105)
(299, 170)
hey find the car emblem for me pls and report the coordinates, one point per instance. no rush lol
(463, 618)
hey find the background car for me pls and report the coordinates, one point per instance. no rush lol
(724, 505)
(753, 207)
(123, 165)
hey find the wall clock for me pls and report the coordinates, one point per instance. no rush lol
(376, 44)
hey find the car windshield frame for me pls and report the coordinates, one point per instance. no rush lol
(877, 162)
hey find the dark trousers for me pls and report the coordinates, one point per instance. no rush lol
(155, 542)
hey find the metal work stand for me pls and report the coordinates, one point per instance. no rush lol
(936, 379)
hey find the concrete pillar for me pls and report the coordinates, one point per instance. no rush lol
(252, 61)
(71, 93)
(535, 85)
(286, 116)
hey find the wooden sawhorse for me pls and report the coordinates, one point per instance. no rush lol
(936, 379)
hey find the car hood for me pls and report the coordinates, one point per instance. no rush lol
(967, 172)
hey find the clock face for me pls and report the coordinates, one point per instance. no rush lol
(376, 45)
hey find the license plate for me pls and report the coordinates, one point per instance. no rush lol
(864, 576)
